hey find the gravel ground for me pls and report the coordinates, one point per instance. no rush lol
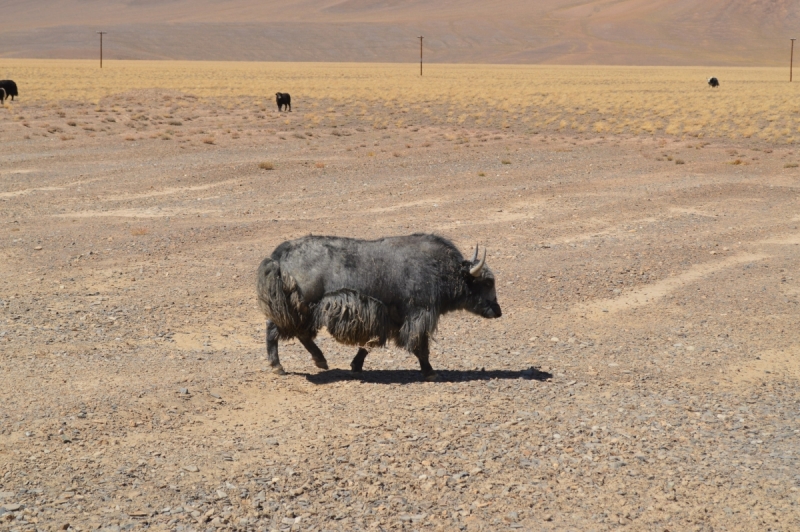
(644, 375)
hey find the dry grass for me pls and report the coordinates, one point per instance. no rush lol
(266, 165)
(675, 101)
(139, 231)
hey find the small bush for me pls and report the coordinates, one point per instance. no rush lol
(139, 231)
(790, 165)
(680, 161)
(320, 165)
(208, 140)
(481, 174)
(266, 165)
(505, 161)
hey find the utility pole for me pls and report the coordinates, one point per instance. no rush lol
(420, 56)
(791, 60)
(101, 33)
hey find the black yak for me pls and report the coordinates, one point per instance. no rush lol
(284, 101)
(366, 292)
(713, 82)
(9, 89)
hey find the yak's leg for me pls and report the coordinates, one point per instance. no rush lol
(272, 348)
(421, 352)
(358, 361)
(316, 352)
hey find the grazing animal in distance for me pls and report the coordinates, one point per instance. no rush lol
(9, 89)
(713, 82)
(365, 292)
(284, 100)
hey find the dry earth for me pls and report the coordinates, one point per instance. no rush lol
(598, 32)
(644, 375)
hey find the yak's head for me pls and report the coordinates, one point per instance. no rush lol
(482, 298)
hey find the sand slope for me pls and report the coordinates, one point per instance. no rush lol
(659, 32)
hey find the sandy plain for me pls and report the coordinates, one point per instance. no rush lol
(644, 375)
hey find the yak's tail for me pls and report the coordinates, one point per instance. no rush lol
(353, 318)
(281, 301)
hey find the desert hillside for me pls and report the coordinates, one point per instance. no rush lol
(626, 32)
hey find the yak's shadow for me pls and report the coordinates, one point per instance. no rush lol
(400, 376)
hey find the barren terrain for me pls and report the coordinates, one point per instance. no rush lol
(597, 32)
(644, 374)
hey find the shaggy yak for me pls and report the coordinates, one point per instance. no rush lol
(284, 100)
(365, 292)
(9, 89)
(713, 83)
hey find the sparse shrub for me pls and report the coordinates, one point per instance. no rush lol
(71, 123)
(139, 231)
(67, 137)
(320, 165)
(266, 165)
(208, 140)
(505, 161)
(175, 123)
(680, 161)
(481, 174)
(790, 165)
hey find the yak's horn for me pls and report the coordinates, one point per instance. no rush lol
(475, 255)
(476, 270)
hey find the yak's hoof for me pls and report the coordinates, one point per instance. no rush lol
(278, 370)
(321, 364)
(432, 377)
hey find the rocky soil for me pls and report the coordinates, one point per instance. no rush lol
(644, 375)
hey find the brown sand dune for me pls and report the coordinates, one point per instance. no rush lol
(657, 32)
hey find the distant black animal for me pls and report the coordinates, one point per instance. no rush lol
(10, 89)
(284, 100)
(366, 292)
(713, 82)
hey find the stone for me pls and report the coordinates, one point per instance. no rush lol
(191, 468)
(13, 507)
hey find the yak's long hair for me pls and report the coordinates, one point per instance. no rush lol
(352, 318)
(281, 301)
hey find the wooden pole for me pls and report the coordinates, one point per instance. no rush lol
(101, 46)
(791, 61)
(420, 56)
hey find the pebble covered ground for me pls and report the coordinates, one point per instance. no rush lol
(644, 375)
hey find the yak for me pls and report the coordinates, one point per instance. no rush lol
(713, 82)
(9, 89)
(365, 292)
(284, 101)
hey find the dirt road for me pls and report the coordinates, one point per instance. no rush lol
(644, 374)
